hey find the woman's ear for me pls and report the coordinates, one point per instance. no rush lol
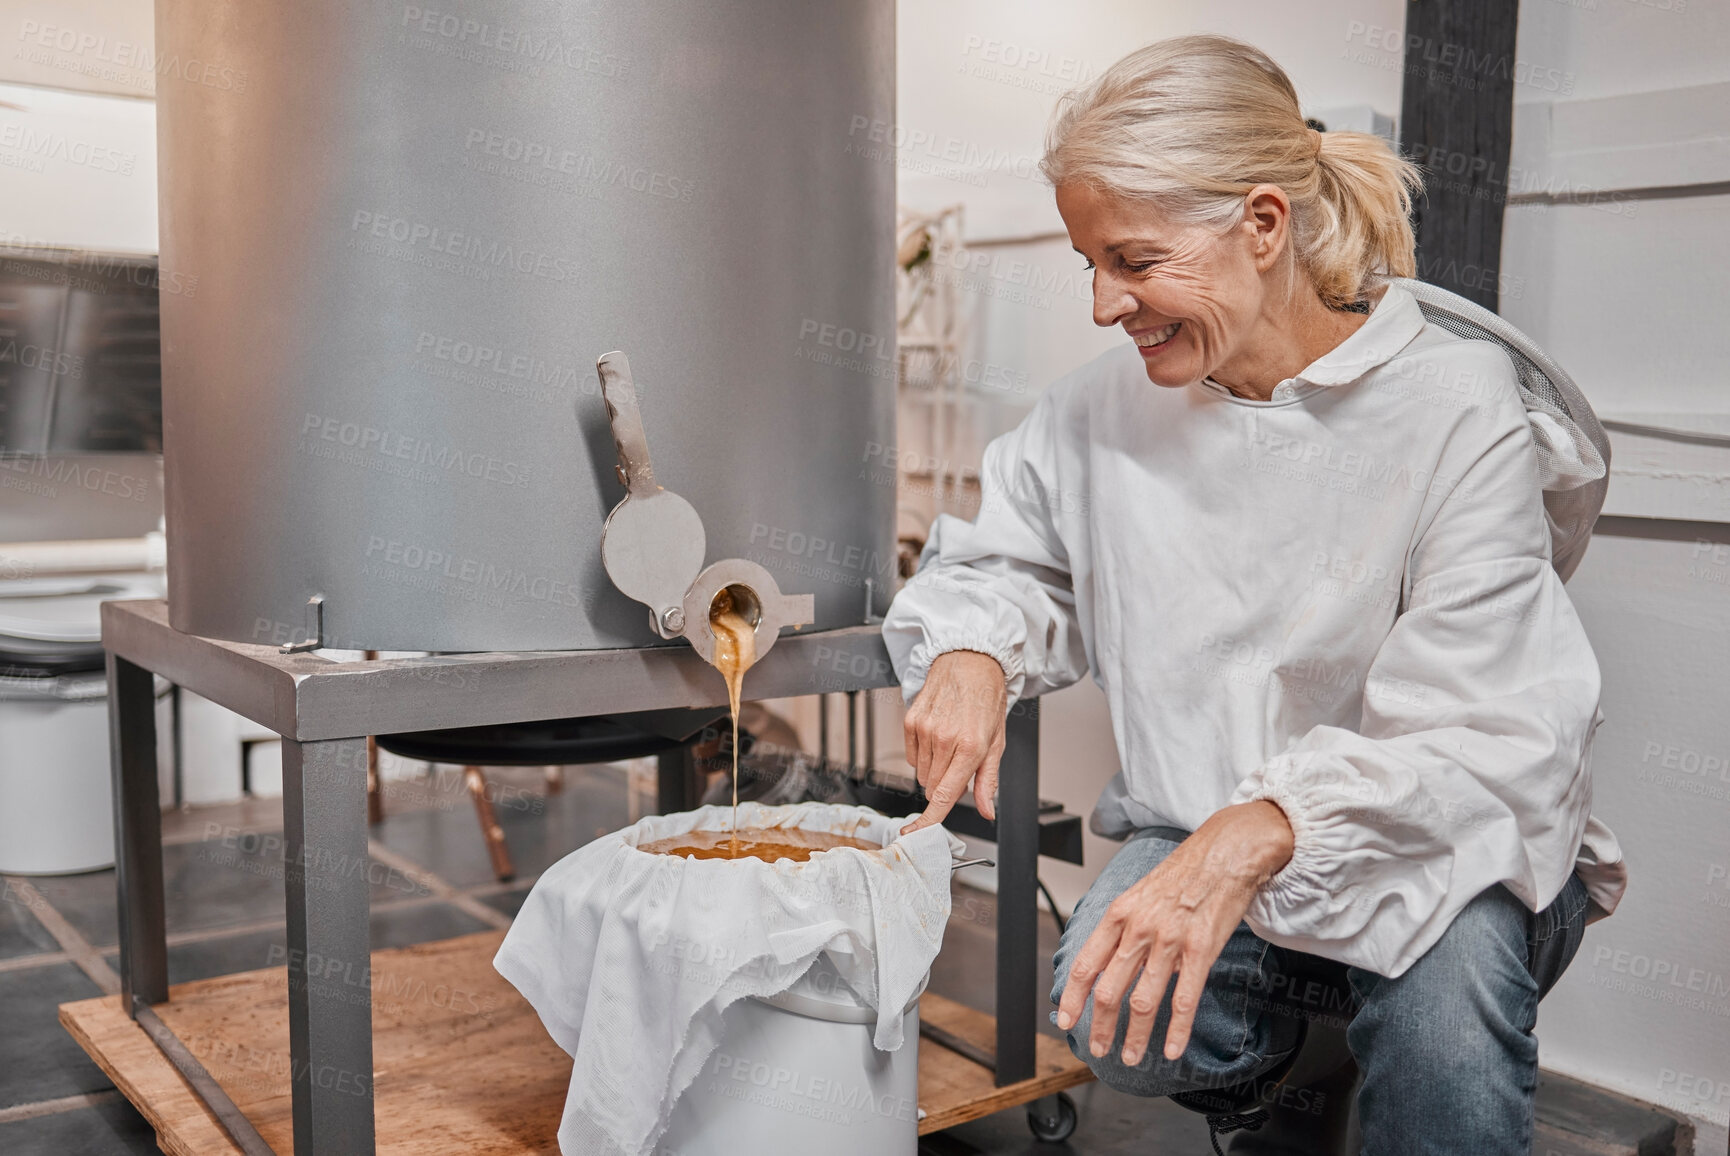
(1267, 219)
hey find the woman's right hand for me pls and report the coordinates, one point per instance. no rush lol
(955, 734)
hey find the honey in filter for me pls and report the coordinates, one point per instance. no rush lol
(765, 843)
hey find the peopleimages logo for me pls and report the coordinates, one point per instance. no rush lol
(391, 446)
(518, 45)
(54, 146)
(804, 1093)
(1270, 449)
(481, 251)
(55, 362)
(1068, 70)
(44, 475)
(1659, 970)
(581, 167)
(1453, 62)
(495, 579)
(926, 145)
(846, 339)
(1008, 277)
(93, 273)
(813, 548)
(90, 54)
(491, 359)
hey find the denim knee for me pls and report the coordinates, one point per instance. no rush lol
(1471, 992)
(1447, 1047)
(1231, 1042)
(1481, 982)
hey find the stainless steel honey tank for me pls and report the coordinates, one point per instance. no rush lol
(399, 235)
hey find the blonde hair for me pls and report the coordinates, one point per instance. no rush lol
(1195, 122)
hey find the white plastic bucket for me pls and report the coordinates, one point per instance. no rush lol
(796, 1075)
(55, 813)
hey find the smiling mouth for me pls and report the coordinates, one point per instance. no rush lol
(1156, 340)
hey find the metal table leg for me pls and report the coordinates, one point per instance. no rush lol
(329, 953)
(677, 781)
(1017, 902)
(137, 833)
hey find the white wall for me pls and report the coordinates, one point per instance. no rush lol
(78, 124)
(1628, 291)
(1615, 47)
(977, 80)
(83, 45)
(77, 170)
(1645, 1008)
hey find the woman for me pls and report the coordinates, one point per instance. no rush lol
(1309, 566)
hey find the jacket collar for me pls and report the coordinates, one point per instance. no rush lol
(1392, 324)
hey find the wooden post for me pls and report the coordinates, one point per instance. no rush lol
(1457, 122)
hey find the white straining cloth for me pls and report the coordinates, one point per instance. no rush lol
(630, 958)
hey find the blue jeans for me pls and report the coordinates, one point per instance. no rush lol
(1447, 1054)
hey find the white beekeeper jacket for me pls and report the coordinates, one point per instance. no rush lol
(1339, 600)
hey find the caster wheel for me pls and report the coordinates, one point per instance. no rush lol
(1054, 1125)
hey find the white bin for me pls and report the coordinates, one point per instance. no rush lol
(55, 810)
(796, 1075)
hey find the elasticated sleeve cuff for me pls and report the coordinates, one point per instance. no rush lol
(923, 655)
(1300, 880)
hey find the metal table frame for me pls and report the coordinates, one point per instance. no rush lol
(324, 711)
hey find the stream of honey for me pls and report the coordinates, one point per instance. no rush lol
(735, 651)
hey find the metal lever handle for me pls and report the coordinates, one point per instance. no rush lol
(653, 543)
(619, 391)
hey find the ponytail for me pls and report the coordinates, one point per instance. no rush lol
(1358, 225)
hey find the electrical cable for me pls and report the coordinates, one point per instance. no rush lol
(1062, 920)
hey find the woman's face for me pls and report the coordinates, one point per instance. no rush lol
(1187, 295)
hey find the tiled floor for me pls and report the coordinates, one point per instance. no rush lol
(108, 1125)
(21, 933)
(223, 875)
(40, 1061)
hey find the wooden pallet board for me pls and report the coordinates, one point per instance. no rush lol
(130, 1058)
(461, 1062)
(954, 1089)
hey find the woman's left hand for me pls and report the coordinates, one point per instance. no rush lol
(1175, 920)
